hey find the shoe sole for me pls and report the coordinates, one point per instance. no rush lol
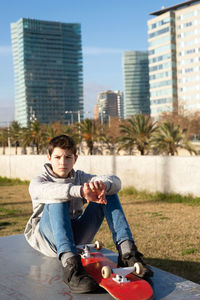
(81, 291)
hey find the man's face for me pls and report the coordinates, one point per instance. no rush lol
(62, 161)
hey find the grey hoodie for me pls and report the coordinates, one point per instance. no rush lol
(47, 188)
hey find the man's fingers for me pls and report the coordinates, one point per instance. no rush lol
(97, 185)
(92, 186)
(86, 186)
(102, 201)
(102, 185)
(102, 198)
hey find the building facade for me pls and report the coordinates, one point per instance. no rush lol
(174, 59)
(109, 105)
(136, 83)
(48, 71)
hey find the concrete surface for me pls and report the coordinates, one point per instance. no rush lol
(25, 274)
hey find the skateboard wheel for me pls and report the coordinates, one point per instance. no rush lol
(98, 245)
(138, 268)
(106, 272)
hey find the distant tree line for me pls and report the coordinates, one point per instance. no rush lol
(165, 136)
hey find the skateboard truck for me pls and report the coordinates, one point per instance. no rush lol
(86, 252)
(120, 273)
(86, 248)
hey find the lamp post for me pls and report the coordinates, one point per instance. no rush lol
(79, 120)
(70, 112)
(74, 112)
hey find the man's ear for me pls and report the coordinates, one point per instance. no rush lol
(49, 157)
(75, 157)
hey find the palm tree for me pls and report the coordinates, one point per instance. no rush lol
(25, 139)
(51, 132)
(137, 131)
(14, 133)
(57, 127)
(4, 138)
(39, 135)
(111, 133)
(35, 135)
(90, 132)
(169, 137)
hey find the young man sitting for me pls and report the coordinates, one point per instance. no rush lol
(58, 223)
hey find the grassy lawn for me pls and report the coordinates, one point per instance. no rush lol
(165, 227)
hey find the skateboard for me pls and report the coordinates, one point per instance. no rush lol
(120, 283)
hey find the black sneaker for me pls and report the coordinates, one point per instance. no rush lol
(76, 278)
(129, 259)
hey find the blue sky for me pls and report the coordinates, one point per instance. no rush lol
(109, 27)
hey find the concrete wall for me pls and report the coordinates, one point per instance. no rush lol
(152, 173)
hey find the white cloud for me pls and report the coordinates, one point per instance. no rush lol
(99, 50)
(5, 50)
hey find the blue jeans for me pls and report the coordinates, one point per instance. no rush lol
(63, 234)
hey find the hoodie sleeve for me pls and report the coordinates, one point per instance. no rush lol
(112, 182)
(44, 191)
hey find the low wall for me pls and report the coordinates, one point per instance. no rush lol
(152, 173)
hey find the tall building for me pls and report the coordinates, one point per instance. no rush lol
(174, 58)
(120, 104)
(96, 114)
(48, 71)
(136, 83)
(109, 104)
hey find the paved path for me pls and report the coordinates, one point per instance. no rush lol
(26, 274)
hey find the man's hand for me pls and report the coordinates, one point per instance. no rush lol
(94, 192)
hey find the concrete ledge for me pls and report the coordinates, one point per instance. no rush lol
(27, 274)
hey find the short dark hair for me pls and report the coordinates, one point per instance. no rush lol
(63, 142)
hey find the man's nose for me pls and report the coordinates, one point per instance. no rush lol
(62, 160)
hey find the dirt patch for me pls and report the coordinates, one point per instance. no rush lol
(15, 209)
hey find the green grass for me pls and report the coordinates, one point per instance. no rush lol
(189, 251)
(4, 181)
(9, 212)
(161, 197)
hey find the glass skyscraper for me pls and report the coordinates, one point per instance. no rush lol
(174, 59)
(136, 83)
(162, 64)
(48, 72)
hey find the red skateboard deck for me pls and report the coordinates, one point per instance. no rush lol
(135, 289)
